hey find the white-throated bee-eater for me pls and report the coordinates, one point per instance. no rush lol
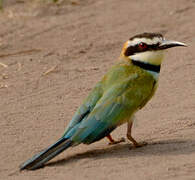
(125, 89)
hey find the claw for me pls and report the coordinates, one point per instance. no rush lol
(138, 145)
(117, 142)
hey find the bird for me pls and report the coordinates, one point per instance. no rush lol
(126, 88)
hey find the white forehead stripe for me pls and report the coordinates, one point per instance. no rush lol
(144, 40)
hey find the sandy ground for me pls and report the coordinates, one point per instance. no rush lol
(56, 53)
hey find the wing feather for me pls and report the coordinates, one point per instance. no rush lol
(84, 110)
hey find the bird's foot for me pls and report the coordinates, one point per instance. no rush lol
(117, 142)
(138, 145)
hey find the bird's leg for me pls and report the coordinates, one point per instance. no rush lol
(135, 143)
(112, 141)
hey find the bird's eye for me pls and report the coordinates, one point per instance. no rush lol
(142, 45)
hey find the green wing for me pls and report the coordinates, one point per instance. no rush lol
(85, 108)
(110, 111)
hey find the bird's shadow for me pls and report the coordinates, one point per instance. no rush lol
(168, 147)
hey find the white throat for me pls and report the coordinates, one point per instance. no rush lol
(151, 57)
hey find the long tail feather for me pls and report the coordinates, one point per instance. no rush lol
(40, 159)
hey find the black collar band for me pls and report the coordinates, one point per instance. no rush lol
(147, 66)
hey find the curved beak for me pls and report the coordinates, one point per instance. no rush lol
(169, 44)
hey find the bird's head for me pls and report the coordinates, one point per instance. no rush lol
(148, 48)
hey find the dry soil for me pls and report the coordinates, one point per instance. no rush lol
(51, 56)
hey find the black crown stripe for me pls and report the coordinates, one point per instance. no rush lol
(147, 35)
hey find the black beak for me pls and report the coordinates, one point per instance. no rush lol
(169, 44)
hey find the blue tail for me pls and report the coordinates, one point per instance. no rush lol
(40, 159)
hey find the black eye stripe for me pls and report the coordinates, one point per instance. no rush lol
(131, 50)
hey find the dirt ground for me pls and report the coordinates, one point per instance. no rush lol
(50, 58)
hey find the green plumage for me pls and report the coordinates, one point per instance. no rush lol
(121, 92)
